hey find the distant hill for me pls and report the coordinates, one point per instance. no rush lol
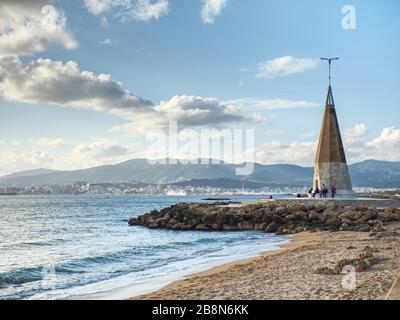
(227, 183)
(374, 173)
(30, 173)
(368, 173)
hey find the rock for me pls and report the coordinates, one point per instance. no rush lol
(202, 227)
(216, 226)
(385, 217)
(346, 221)
(372, 223)
(364, 228)
(274, 217)
(245, 225)
(325, 271)
(272, 227)
(344, 227)
(314, 216)
(227, 227)
(290, 217)
(260, 226)
(391, 210)
(208, 219)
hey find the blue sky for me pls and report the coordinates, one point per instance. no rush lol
(173, 50)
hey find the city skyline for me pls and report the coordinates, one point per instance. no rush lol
(83, 82)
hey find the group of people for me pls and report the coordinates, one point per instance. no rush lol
(323, 193)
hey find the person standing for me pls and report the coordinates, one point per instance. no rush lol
(316, 192)
(324, 191)
(333, 190)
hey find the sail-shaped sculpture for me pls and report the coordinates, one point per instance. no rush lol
(330, 167)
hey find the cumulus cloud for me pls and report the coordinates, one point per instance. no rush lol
(64, 84)
(187, 112)
(301, 153)
(197, 111)
(53, 142)
(28, 27)
(358, 131)
(252, 104)
(98, 6)
(211, 9)
(284, 66)
(389, 138)
(15, 160)
(383, 147)
(59, 154)
(100, 149)
(142, 10)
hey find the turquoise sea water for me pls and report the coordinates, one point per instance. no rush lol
(62, 247)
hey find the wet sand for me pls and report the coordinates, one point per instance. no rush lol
(291, 272)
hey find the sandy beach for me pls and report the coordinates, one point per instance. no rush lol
(302, 270)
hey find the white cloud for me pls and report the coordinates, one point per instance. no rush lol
(142, 10)
(28, 27)
(252, 104)
(13, 160)
(187, 111)
(383, 147)
(105, 151)
(64, 84)
(53, 142)
(100, 149)
(108, 42)
(98, 6)
(301, 153)
(211, 9)
(197, 111)
(145, 10)
(358, 131)
(284, 66)
(390, 139)
(59, 154)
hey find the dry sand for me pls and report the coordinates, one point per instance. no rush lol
(289, 273)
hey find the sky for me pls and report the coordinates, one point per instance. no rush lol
(92, 82)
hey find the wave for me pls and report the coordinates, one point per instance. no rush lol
(21, 276)
(152, 253)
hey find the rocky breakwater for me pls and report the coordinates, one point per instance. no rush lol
(275, 217)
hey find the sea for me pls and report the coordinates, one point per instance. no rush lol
(81, 247)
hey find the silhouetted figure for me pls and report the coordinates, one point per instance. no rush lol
(333, 190)
(324, 191)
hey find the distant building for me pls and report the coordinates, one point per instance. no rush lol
(330, 168)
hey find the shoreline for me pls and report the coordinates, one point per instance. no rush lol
(147, 285)
(296, 241)
(287, 273)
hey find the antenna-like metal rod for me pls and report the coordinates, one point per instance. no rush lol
(329, 61)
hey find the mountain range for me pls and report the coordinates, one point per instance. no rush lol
(369, 173)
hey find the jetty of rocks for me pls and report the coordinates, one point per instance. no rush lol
(281, 217)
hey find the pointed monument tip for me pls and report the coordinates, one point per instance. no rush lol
(329, 98)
